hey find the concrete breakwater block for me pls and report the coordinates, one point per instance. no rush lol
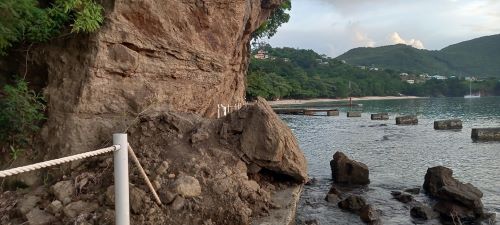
(353, 114)
(380, 116)
(406, 120)
(454, 124)
(333, 113)
(485, 134)
(309, 112)
(289, 111)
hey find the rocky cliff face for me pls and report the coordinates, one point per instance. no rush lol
(186, 56)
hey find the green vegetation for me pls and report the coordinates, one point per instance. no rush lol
(478, 57)
(298, 73)
(31, 21)
(277, 18)
(301, 74)
(24, 22)
(22, 111)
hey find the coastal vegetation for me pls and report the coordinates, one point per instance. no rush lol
(277, 73)
(21, 114)
(34, 21)
(278, 17)
(24, 23)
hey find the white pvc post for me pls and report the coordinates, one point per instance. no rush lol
(122, 208)
(224, 109)
(218, 111)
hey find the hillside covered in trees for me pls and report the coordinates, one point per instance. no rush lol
(478, 57)
(277, 73)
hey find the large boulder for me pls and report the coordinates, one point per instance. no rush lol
(267, 141)
(454, 197)
(347, 171)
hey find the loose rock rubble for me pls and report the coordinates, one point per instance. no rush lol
(226, 176)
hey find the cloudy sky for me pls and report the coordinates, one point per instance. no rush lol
(332, 27)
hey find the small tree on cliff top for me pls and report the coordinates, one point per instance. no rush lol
(277, 18)
(31, 21)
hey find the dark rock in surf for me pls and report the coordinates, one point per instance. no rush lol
(347, 171)
(455, 199)
(353, 203)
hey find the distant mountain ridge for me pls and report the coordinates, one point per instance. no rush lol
(477, 57)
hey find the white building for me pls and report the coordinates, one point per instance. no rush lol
(261, 54)
(439, 77)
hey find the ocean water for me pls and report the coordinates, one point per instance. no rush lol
(398, 156)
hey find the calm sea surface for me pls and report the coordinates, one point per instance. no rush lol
(398, 156)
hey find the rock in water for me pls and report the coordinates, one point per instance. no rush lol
(333, 195)
(312, 222)
(461, 200)
(267, 141)
(369, 214)
(347, 171)
(352, 203)
(404, 198)
(423, 212)
(414, 191)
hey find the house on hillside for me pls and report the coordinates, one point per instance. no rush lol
(410, 81)
(261, 54)
(321, 62)
(424, 77)
(439, 77)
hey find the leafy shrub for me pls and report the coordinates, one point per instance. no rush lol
(26, 20)
(21, 112)
(278, 17)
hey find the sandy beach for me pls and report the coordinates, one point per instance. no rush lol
(306, 101)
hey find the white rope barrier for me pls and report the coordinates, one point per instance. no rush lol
(143, 174)
(18, 170)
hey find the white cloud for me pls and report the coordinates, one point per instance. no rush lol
(358, 36)
(323, 25)
(395, 38)
(363, 39)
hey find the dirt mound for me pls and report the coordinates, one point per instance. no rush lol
(198, 166)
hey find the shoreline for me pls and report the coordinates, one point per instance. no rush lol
(320, 100)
